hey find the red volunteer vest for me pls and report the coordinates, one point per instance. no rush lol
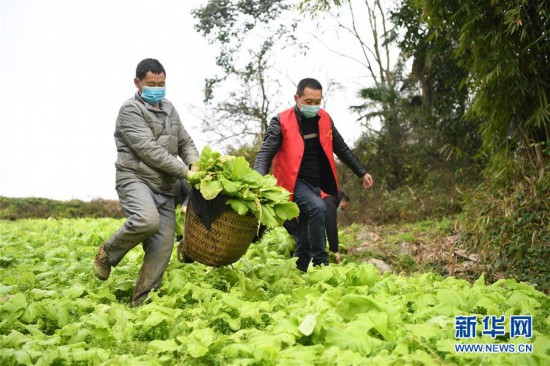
(288, 159)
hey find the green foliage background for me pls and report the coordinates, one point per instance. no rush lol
(504, 46)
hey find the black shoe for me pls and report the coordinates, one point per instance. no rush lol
(302, 264)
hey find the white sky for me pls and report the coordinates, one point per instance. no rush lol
(66, 67)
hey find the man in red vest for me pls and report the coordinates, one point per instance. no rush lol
(301, 142)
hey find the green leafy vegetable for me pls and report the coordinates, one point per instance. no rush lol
(262, 311)
(247, 190)
(308, 324)
(210, 189)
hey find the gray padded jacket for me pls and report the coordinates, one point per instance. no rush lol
(148, 141)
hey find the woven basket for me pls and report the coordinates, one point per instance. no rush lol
(227, 240)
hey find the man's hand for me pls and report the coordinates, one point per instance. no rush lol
(337, 258)
(190, 174)
(367, 180)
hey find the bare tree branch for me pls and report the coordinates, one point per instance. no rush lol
(339, 53)
(385, 30)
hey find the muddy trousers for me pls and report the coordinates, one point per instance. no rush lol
(151, 221)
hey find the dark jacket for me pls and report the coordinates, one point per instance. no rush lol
(272, 142)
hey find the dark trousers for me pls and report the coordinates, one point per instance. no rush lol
(311, 243)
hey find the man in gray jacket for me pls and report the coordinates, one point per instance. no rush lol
(149, 136)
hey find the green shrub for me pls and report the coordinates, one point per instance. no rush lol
(32, 207)
(506, 220)
(408, 203)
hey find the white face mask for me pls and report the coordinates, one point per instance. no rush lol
(309, 111)
(152, 94)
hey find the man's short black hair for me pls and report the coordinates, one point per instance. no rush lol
(307, 83)
(343, 196)
(149, 64)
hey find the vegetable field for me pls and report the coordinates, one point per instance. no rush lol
(262, 311)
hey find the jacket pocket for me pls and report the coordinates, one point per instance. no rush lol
(148, 175)
(158, 181)
(127, 161)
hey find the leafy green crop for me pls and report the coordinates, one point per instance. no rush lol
(246, 190)
(262, 311)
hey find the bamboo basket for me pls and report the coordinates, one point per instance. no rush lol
(225, 243)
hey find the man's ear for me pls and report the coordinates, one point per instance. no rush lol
(137, 84)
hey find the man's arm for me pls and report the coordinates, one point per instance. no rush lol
(347, 156)
(271, 144)
(139, 137)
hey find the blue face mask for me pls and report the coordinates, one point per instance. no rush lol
(309, 111)
(153, 94)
